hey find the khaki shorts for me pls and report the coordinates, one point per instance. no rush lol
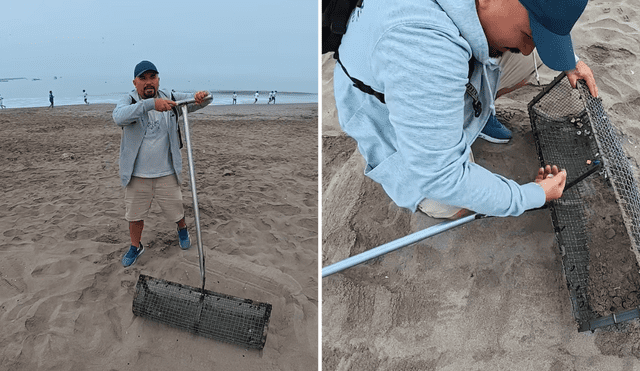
(439, 210)
(141, 191)
(515, 69)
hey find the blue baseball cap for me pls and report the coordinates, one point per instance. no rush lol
(551, 23)
(143, 67)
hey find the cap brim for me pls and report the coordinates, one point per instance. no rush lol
(149, 70)
(556, 51)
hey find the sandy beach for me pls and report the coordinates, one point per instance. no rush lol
(489, 295)
(65, 298)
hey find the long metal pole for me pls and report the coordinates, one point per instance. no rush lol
(396, 244)
(192, 177)
(427, 232)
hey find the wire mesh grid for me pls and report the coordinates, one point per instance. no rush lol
(572, 130)
(617, 165)
(217, 316)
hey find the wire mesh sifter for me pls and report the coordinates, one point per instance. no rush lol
(572, 129)
(196, 310)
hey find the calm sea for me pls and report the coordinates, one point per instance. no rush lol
(22, 93)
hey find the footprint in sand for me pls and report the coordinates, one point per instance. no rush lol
(626, 14)
(81, 234)
(603, 55)
(310, 224)
(108, 238)
(286, 210)
(228, 229)
(12, 233)
(262, 226)
(58, 268)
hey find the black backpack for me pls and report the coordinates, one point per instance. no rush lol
(335, 16)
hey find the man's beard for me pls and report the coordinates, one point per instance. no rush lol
(495, 53)
(149, 92)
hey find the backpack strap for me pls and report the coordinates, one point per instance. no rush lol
(133, 101)
(177, 113)
(359, 84)
(471, 90)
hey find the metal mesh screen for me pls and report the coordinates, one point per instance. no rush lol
(571, 129)
(217, 316)
(617, 165)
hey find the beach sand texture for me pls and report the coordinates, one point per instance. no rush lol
(65, 299)
(489, 295)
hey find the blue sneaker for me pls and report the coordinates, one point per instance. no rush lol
(183, 236)
(132, 255)
(495, 132)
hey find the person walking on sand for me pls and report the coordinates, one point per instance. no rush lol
(150, 158)
(234, 97)
(85, 97)
(1, 105)
(270, 97)
(256, 95)
(274, 96)
(428, 73)
(50, 99)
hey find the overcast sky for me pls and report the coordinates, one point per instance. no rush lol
(245, 44)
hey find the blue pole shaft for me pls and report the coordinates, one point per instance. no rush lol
(396, 244)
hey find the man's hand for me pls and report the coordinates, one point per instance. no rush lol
(164, 104)
(199, 96)
(552, 181)
(583, 72)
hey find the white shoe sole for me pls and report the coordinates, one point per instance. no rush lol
(493, 140)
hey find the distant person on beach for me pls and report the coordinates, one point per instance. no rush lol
(415, 84)
(1, 105)
(85, 97)
(274, 96)
(270, 97)
(256, 95)
(51, 99)
(150, 158)
(234, 97)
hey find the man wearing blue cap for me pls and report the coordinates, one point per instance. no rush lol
(150, 158)
(429, 72)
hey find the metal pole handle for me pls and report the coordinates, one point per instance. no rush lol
(184, 102)
(192, 177)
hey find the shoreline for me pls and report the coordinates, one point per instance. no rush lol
(80, 105)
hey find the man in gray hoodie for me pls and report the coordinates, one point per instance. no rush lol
(420, 56)
(150, 158)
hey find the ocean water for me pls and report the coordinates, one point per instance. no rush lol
(23, 93)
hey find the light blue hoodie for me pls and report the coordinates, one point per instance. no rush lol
(417, 145)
